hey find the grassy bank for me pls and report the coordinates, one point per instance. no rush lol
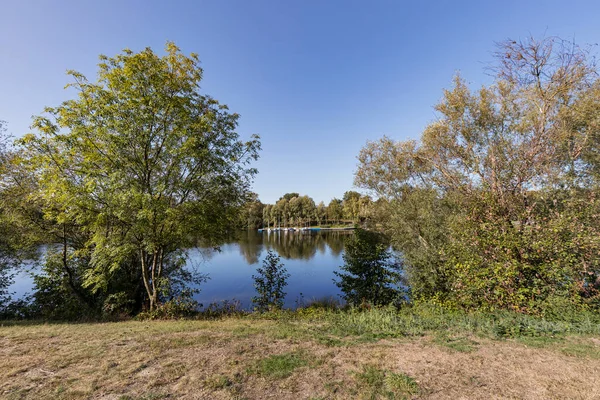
(308, 354)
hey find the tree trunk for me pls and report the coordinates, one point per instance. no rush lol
(151, 275)
(76, 288)
(146, 280)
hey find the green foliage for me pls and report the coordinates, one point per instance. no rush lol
(225, 308)
(451, 328)
(141, 164)
(335, 210)
(18, 234)
(118, 305)
(269, 283)
(59, 295)
(181, 306)
(294, 210)
(370, 272)
(496, 206)
(60, 292)
(251, 214)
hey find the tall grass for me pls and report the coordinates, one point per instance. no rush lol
(425, 318)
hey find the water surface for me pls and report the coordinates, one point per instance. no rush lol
(309, 257)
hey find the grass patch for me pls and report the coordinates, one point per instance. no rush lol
(311, 358)
(279, 366)
(461, 344)
(375, 383)
(419, 320)
(573, 346)
(540, 341)
(581, 349)
(218, 382)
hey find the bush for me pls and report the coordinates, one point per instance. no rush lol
(269, 282)
(225, 308)
(181, 306)
(372, 273)
(118, 305)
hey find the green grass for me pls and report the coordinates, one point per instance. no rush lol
(461, 344)
(578, 349)
(279, 366)
(425, 319)
(375, 383)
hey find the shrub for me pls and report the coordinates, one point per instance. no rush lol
(269, 282)
(372, 274)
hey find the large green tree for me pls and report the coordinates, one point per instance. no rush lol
(144, 161)
(496, 206)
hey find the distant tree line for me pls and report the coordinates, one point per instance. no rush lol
(294, 210)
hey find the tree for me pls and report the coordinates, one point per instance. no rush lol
(281, 210)
(269, 282)
(351, 205)
(144, 161)
(365, 207)
(334, 210)
(251, 214)
(289, 196)
(320, 212)
(267, 214)
(308, 209)
(499, 197)
(370, 272)
(295, 210)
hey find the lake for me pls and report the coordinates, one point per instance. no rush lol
(309, 257)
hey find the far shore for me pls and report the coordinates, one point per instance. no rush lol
(317, 228)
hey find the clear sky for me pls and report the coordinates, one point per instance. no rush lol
(315, 78)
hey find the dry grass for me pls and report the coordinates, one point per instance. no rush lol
(260, 359)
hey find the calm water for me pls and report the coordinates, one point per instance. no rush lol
(310, 259)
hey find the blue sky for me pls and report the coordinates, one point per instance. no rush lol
(315, 78)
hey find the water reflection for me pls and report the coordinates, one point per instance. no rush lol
(290, 245)
(310, 258)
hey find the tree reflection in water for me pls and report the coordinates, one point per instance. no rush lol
(290, 245)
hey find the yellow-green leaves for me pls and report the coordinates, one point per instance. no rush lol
(494, 206)
(137, 159)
